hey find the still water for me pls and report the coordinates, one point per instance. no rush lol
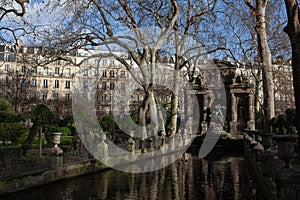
(188, 178)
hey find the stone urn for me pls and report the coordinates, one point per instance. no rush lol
(286, 150)
(56, 141)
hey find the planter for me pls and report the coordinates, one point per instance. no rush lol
(56, 141)
(286, 150)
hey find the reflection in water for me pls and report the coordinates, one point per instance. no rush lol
(187, 178)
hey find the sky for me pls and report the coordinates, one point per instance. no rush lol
(43, 18)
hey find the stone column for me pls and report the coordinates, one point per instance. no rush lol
(233, 122)
(251, 122)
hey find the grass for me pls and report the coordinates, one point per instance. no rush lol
(64, 140)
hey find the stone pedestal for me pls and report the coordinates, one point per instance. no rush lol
(102, 147)
(131, 142)
(233, 129)
(286, 150)
(56, 162)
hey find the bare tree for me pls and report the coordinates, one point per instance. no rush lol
(113, 18)
(264, 59)
(293, 31)
(252, 36)
(7, 7)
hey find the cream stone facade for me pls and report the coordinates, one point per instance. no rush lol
(33, 75)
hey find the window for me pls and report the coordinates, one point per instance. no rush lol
(104, 85)
(68, 72)
(56, 71)
(56, 84)
(96, 72)
(68, 84)
(6, 67)
(85, 72)
(22, 82)
(85, 84)
(45, 83)
(104, 97)
(34, 70)
(112, 62)
(112, 73)
(44, 97)
(55, 96)
(33, 83)
(104, 62)
(23, 69)
(96, 85)
(123, 74)
(58, 62)
(6, 57)
(33, 96)
(5, 80)
(104, 73)
(46, 70)
(96, 62)
(67, 96)
(112, 86)
(122, 86)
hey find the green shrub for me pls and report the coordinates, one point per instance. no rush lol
(285, 123)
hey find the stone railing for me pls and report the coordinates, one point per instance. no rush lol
(269, 159)
(62, 163)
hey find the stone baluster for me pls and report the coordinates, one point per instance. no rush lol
(131, 142)
(257, 148)
(267, 162)
(267, 157)
(102, 147)
(179, 141)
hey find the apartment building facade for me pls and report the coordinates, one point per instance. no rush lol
(31, 75)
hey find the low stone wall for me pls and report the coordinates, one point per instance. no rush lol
(268, 159)
(264, 187)
(58, 172)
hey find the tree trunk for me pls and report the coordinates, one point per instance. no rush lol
(265, 59)
(296, 79)
(153, 113)
(142, 115)
(293, 31)
(257, 91)
(161, 122)
(40, 141)
(174, 104)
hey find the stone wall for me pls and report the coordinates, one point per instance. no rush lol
(270, 161)
(57, 172)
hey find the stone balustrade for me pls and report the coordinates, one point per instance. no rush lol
(269, 159)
